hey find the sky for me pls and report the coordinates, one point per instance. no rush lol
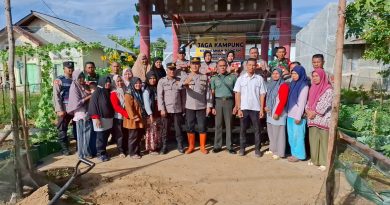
(116, 16)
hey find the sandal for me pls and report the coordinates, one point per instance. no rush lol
(136, 156)
(310, 163)
(293, 159)
(268, 152)
(322, 168)
(275, 157)
(121, 155)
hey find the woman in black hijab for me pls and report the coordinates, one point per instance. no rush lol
(158, 68)
(135, 122)
(153, 141)
(102, 113)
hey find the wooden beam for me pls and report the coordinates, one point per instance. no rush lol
(365, 149)
(330, 179)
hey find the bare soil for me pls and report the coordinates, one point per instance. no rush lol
(40, 196)
(175, 178)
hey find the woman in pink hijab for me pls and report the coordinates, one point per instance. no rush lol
(141, 67)
(318, 111)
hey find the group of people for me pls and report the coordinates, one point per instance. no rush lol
(144, 102)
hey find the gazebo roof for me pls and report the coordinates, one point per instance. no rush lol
(221, 17)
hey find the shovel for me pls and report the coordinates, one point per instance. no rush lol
(76, 174)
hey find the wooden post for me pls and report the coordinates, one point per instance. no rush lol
(25, 86)
(13, 98)
(330, 179)
(23, 120)
(350, 81)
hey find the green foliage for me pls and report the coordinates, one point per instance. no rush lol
(157, 48)
(102, 71)
(136, 19)
(370, 21)
(386, 150)
(128, 43)
(46, 135)
(45, 115)
(370, 121)
(355, 95)
(5, 110)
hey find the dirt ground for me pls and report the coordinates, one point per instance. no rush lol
(40, 196)
(210, 179)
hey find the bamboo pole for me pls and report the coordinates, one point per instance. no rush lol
(25, 86)
(330, 179)
(365, 149)
(13, 98)
(23, 120)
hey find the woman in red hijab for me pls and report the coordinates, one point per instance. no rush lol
(318, 111)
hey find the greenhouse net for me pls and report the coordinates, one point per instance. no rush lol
(360, 177)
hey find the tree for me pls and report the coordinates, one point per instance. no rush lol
(125, 42)
(370, 20)
(157, 48)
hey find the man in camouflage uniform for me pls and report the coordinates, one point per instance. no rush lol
(60, 99)
(91, 77)
(280, 61)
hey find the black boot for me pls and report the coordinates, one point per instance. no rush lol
(180, 147)
(164, 148)
(63, 140)
(64, 149)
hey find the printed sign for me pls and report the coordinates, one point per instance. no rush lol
(219, 46)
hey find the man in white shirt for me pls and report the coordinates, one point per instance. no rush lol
(250, 94)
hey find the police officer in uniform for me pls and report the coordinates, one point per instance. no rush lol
(182, 68)
(60, 97)
(170, 106)
(181, 63)
(261, 66)
(208, 67)
(197, 105)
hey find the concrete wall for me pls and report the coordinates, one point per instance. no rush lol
(94, 56)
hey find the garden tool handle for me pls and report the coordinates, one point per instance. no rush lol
(85, 161)
(76, 174)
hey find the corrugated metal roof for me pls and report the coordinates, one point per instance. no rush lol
(82, 33)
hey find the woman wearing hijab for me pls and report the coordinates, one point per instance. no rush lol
(318, 111)
(102, 114)
(276, 101)
(126, 76)
(78, 106)
(158, 68)
(118, 103)
(296, 122)
(153, 131)
(135, 123)
(141, 67)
